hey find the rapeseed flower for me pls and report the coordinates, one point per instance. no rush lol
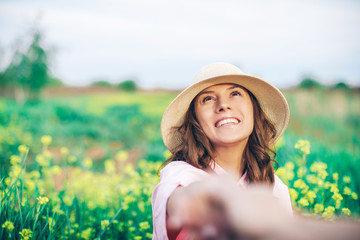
(110, 166)
(310, 196)
(354, 196)
(23, 149)
(122, 156)
(15, 160)
(347, 191)
(346, 179)
(86, 234)
(318, 208)
(346, 211)
(104, 224)
(335, 176)
(8, 225)
(42, 200)
(72, 159)
(303, 202)
(303, 146)
(144, 226)
(88, 163)
(64, 151)
(300, 184)
(301, 172)
(329, 212)
(293, 194)
(46, 140)
(25, 234)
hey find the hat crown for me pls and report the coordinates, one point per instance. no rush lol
(215, 70)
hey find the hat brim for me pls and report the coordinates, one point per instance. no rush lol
(271, 100)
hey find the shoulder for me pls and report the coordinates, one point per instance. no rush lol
(279, 186)
(181, 171)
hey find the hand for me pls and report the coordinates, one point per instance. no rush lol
(219, 208)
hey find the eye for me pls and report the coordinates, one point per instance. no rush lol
(206, 99)
(235, 93)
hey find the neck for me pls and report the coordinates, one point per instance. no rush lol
(230, 158)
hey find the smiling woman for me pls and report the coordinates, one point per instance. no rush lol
(224, 124)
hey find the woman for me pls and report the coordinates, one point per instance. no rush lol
(225, 123)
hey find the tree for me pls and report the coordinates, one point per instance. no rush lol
(28, 72)
(309, 83)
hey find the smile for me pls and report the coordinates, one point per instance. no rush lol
(226, 121)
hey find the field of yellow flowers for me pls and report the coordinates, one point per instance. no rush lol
(87, 171)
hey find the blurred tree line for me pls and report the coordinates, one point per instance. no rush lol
(27, 73)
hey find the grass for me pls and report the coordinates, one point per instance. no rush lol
(99, 167)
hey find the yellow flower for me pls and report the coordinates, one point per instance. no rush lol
(335, 176)
(46, 140)
(8, 225)
(64, 151)
(304, 146)
(346, 211)
(25, 234)
(137, 238)
(42, 161)
(337, 196)
(129, 168)
(47, 154)
(303, 202)
(293, 194)
(322, 174)
(334, 188)
(329, 212)
(310, 195)
(86, 234)
(72, 159)
(56, 170)
(347, 191)
(300, 184)
(290, 165)
(346, 179)
(104, 224)
(354, 196)
(144, 226)
(301, 172)
(318, 208)
(87, 163)
(14, 160)
(51, 223)
(122, 156)
(109, 166)
(42, 200)
(149, 235)
(23, 149)
(318, 167)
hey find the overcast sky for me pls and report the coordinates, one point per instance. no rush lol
(162, 43)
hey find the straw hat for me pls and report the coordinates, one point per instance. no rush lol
(271, 100)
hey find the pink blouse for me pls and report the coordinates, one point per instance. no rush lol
(179, 173)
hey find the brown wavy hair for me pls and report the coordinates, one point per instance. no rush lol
(197, 150)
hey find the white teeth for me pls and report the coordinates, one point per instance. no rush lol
(226, 121)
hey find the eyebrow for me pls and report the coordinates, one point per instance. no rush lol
(229, 88)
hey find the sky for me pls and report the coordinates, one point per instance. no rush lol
(163, 43)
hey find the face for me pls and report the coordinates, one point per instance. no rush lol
(225, 113)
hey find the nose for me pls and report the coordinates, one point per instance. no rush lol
(222, 106)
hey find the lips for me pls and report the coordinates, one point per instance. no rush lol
(226, 121)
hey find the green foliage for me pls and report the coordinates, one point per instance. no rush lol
(28, 72)
(109, 196)
(128, 85)
(341, 86)
(102, 83)
(309, 83)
